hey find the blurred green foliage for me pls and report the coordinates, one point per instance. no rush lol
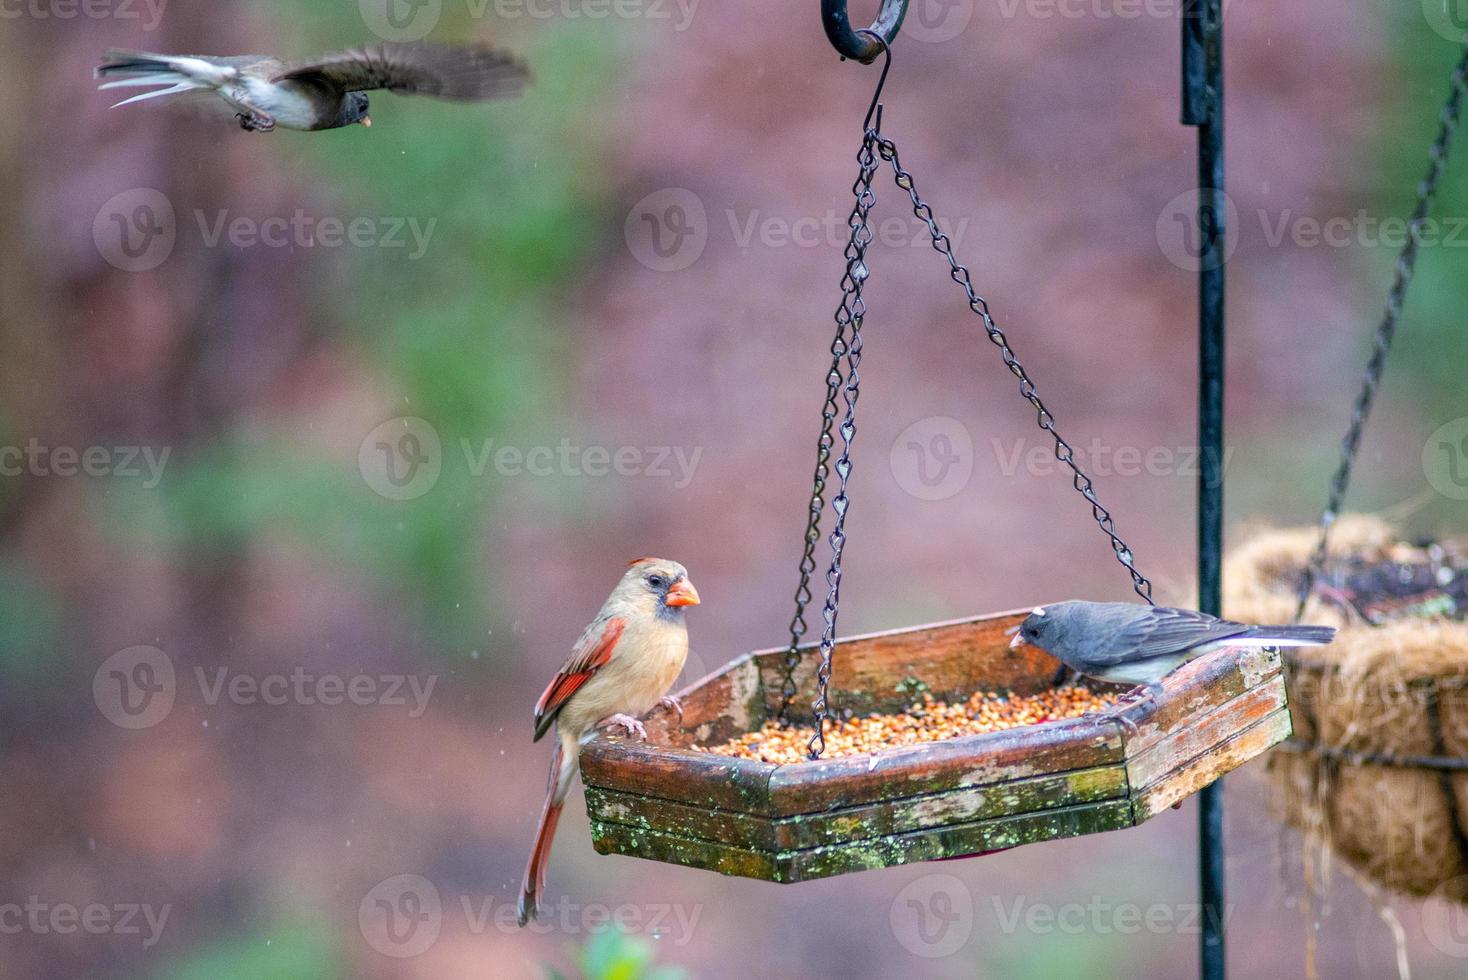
(287, 953)
(1426, 369)
(614, 955)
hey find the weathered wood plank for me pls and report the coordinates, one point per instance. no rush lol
(665, 772)
(691, 852)
(1192, 776)
(705, 823)
(861, 822)
(961, 840)
(1194, 690)
(973, 760)
(882, 671)
(1205, 733)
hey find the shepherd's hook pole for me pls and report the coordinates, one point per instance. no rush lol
(1202, 64)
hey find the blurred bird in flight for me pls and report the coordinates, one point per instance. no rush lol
(327, 92)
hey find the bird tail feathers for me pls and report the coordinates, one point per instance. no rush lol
(1285, 636)
(562, 770)
(173, 74)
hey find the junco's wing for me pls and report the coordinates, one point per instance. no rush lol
(1142, 632)
(460, 73)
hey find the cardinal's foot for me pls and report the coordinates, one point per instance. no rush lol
(627, 723)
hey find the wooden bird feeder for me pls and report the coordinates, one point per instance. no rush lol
(958, 797)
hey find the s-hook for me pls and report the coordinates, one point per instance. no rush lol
(850, 43)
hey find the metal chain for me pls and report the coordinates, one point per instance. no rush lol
(849, 313)
(834, 381)
(1386, 330)
(1063, 451)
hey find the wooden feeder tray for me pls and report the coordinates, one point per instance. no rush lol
(958, 797)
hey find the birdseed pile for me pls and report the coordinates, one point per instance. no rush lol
(925, 720)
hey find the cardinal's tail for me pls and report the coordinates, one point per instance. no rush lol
(562, 771)
(173, 73)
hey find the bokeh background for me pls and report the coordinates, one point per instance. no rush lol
(424, 461)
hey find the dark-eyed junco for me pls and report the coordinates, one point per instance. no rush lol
(1129, 643)
(319, 93)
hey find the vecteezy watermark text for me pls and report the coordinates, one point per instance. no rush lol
(567, 458)
(1100, 916)
(1099, 459)
(41, 918)
(126, 462)
(402, 459)
(136, 230)
(412, 20)
(150, 12)
(402, 917)
(137, 688)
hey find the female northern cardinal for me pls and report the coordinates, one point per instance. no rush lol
(623, 665)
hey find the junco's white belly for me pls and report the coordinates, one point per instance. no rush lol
(286, 106)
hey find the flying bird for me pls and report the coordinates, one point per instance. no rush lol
(319, 93)
(622, 666)
(1129, 643)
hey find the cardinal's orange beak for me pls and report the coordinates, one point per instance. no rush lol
(681, 593)
(366, 121)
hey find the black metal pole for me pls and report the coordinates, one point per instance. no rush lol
(1202, 56)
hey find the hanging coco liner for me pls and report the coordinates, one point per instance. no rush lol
(1377, 770)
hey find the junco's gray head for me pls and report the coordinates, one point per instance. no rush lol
(356, 109)
(1044, 630)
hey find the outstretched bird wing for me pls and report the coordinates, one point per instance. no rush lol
(1156, 631)
(443, 71)
(590, 654)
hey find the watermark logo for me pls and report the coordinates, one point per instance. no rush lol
(935, 21)
(667, 230)
(135, 688)
(402, 916)
(138, 229)
(1448, 18)
(401, 459)
(1445, 459)
(135, 231)
(933, 458)
(933, 916)
(1198, 231)
(400, 20)
(1445, 918)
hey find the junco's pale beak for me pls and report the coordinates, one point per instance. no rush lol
(1017, 639)
(366, 121)
(681, 593)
